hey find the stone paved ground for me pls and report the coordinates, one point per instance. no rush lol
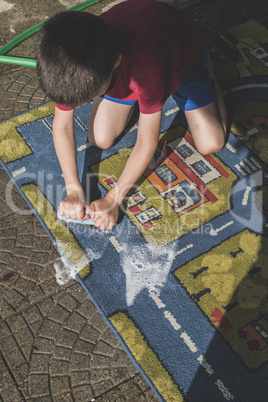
(54, 344)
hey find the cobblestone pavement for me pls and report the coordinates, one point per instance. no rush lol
(54, 344)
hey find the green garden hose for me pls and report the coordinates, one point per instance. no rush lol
(22, 61)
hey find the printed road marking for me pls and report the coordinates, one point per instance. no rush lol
(18, 172)
(191, 345)
(214, 232)
(255, 162)
(182, 250)
(188, 341)
(245, 167)
(205, 364)
(246, 196)
(231, 148)
(226, 393)
(157, 301)
(172, 320)
(238, 167)
(134, 128)
(116, 244)
(172, 111)
(249, 86)
(46, 123)
(85, 146)
(250, 164)
(80, 123)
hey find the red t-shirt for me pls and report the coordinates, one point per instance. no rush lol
(162, 44)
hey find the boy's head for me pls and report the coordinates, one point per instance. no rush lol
(76, 53)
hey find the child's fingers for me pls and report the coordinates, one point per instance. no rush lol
(86, 215)
(80, 212)
(90, 211)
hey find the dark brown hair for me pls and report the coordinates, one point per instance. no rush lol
(75, 52)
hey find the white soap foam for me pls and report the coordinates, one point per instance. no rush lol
(72, 261)
(145, 267)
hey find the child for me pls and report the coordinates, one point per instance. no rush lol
(139, 50)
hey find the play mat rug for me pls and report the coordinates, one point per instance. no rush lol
(182, 279)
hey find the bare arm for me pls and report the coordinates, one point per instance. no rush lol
(65, 146)
(105, 212)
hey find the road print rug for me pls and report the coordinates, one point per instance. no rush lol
(182, 279)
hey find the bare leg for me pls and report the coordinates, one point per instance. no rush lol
(107, 121)
(208, 124)
(207, 128)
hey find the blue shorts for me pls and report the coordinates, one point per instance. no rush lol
(197, 88)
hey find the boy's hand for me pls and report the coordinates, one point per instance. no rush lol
(104, 213)
(73, 206)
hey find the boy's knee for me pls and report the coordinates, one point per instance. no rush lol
(211, 147)
(100, 140)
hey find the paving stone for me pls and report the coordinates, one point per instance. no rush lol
(119, 374)
(61, 352)
(39, 257)
(9, 233)
(42, 243)
(68, 302)
(60, 385)
(4, 330)
(35, 327)
(75, 322)
(109, 337)
(11, 394)
(104, 349)
(13, 298)
(24, 286)
(102, 386)
(78, 293)
(7, 244)
(66, 338)
(90, 334)
(15, 359)
(86, 309)
(39, 363)
(21, 374)
(23, 252)
(43, 345)
(32, 315)
(58, 367)
(59, 314)
(79, 362)
(25, 240)
(5, 308)
(99, 374)
(16, 323)
(83, 347)
(82, 393)
(39, 385)
(5, 256)
(29, 269)
(45, 306)
(80, 378)
(99, 361)
(63, 398)
(49, 329)
(8, 344)
(98, 322)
